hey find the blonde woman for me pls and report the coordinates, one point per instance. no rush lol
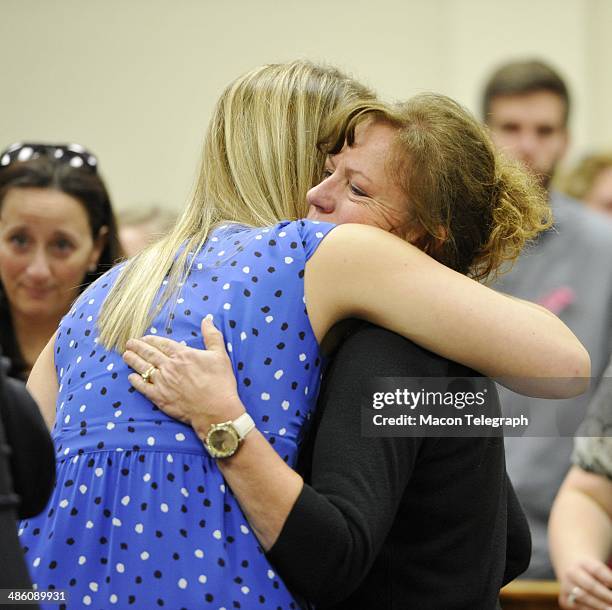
(159, 527)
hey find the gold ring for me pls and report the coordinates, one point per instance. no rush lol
(148, 374)
(573, 595)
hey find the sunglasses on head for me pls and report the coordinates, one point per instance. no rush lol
(72, 154)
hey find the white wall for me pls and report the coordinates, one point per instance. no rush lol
(135, 80)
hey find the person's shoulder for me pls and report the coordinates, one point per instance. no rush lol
(573, 215)
(391, 354)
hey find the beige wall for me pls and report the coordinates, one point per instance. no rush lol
(135, 80)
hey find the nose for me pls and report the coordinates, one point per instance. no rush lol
(39, 269)
(527, 146)
(322, 196)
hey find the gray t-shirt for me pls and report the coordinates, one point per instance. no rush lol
(568, 270)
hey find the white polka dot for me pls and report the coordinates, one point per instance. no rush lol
(91, 301)
(67, 419)
(87, 600)
(67, 451)
(246, 270)
(182, 583)
(202, 579)
(98, 472)
(89, 318)
(288, 260)
(282, 431)
(180, 300)
(110, 425)
(79, 359)
(209, 316)
(285, 404)
(71, 344)
(315, 222)
(89, 525)
(146, 478)
(184, 492)
(302, 357)
(244, 529)
(20, 531)
(169, 459)
(279, 374)
(227, 306)
(118, 413)
(230, 347)
(82, 408)
(306, 391)
(113, 599)
(82, 560)
(221, 253)
(125, 500)
(88, 386)
(243, 336)
(163, 507)
(217, 534)
(199, 553)
(144, 555)
(83, 488)
(139, 528)
(179, 436)
(120, 568)
(226, 286)
(110, 367)
(214, 239)
(63, 503)
(265, 396)
(199, 265)
(153, 330)
(116, 522)
(93, 586)
(151, 441)
(36, 562)
(222, 488)
(319, 234)
(258, 236)
(271, 574)
(269, 319)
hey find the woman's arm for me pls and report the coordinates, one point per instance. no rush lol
(332, 531)
(42, 383)
(580, 537)
(361, 271)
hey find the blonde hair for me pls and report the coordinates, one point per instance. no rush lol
(260, 158)
(472, 209)
(579, 182)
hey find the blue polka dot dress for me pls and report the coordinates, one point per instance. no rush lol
(141, 516)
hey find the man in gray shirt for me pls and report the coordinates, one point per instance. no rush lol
(569, 271)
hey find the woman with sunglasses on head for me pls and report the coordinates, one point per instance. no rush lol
(57, 235)
(159, 527)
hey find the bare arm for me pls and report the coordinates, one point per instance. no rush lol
(42, 383)
(360, 271)
(580, 534)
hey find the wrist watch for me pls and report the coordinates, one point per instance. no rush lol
(223, 439)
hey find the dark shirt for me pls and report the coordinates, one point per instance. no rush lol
(27, 468)
(394, 523)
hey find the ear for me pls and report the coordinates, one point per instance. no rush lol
(99, 244)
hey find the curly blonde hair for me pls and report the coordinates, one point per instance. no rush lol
(472, 209)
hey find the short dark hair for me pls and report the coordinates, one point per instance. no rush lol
(522, 77)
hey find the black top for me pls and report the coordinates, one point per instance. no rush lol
(27, 469)
(390, 523)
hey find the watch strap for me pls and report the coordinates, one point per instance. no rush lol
(243, 425)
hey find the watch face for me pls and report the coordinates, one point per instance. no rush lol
(223, 441)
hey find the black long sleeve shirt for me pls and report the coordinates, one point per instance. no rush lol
(395, 523)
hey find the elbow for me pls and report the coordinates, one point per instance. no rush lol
(574, 373)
